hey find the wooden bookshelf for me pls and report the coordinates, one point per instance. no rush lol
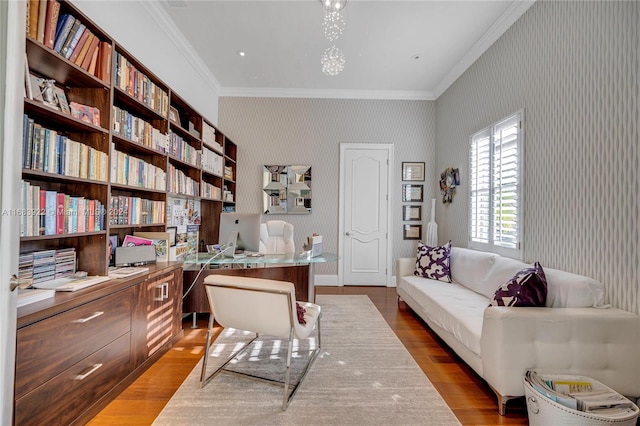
(103, 130)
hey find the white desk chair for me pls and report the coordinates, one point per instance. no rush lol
(276, 237)
(260, 306)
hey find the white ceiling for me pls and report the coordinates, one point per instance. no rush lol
(284, 41)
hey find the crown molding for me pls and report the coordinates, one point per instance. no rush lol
(244, 92)
(506, 20)
(161, 17)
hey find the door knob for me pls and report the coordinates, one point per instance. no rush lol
(16, 282)
(347, 233)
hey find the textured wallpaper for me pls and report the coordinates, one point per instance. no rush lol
(574, 69)
(309, 132)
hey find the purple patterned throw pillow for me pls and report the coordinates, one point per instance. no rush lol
(433, 262)
(527, 288)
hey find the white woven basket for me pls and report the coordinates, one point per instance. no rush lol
(544, 412)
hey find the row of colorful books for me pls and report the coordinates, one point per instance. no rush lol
(180, 183)
(138, 85)
(128, 126)
(212, 162)
(211, 191)
(133, 171)
(125, 210)
(46, 212)
(46, 150)
(69, 37)
(179, 148)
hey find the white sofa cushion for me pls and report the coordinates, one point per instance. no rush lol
(484, 272)
(567, 290)
(451, 306)
(469, 267)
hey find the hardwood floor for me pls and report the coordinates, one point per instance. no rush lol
(471, 400)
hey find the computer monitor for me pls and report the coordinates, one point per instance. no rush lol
(247, 226)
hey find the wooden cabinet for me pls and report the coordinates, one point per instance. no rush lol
(160, 296)
(75, 352)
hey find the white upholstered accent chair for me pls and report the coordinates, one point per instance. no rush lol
(264, 307)
(276, 237)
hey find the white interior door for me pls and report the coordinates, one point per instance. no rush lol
(12, 47)
(364, 214)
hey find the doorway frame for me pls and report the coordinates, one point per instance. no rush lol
(341, 203)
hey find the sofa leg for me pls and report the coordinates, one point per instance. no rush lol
(502, 401)
(502, 405)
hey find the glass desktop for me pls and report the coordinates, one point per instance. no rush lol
(264, 259)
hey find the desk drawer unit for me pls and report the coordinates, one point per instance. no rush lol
(51, 346)
(62, 399)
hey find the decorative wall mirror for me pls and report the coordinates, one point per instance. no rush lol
(286, 189)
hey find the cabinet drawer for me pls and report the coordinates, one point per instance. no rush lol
(46, 348)
(66, 396)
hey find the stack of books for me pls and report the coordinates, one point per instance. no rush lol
(65, 262)
(44, 266)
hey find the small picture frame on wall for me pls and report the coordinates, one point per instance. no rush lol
(413, 171)
(411, 232)
(412, 192)
(410, 212)
(174, 117)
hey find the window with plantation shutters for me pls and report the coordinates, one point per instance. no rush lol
(494, 188)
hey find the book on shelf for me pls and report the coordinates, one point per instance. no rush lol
(77, 50)
(86, 113)
(75, 38)
(32, 12)
(65, 24)
(104, 62)
(70, 36)
(92, 51)
(42, 16)
(51, 22)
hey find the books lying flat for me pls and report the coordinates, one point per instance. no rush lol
(31, 295)
(125, 271)
(70, 283)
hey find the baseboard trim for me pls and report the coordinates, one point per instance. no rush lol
(332, 281)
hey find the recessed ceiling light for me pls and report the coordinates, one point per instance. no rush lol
(241, 53)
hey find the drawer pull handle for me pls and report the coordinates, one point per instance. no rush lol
(88, 373)
(89, 318)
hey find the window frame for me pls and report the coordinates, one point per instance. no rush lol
(490, 244)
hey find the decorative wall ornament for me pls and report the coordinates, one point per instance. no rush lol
(449, 179)
(286, 189)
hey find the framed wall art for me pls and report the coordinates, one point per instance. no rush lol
(412, 171)
(412, 192)
(410, 212)
(411, 232)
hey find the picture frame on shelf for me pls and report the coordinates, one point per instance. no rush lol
(172, 230)
(412, 192)
(411, 231)
(174, 117)
(411, 212)
(413, 171)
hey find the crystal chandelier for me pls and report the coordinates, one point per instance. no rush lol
(333, 59)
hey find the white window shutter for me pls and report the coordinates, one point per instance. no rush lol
(494, 188)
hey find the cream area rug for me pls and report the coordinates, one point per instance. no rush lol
(363, 376)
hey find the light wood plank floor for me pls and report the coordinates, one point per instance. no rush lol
(469, 397)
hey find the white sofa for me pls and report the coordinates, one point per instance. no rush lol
(573, 334)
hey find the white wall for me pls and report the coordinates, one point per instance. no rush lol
(308, 132)
(144, 30)
(574, 68)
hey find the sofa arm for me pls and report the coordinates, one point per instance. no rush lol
(404, 266)
(600, 343)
